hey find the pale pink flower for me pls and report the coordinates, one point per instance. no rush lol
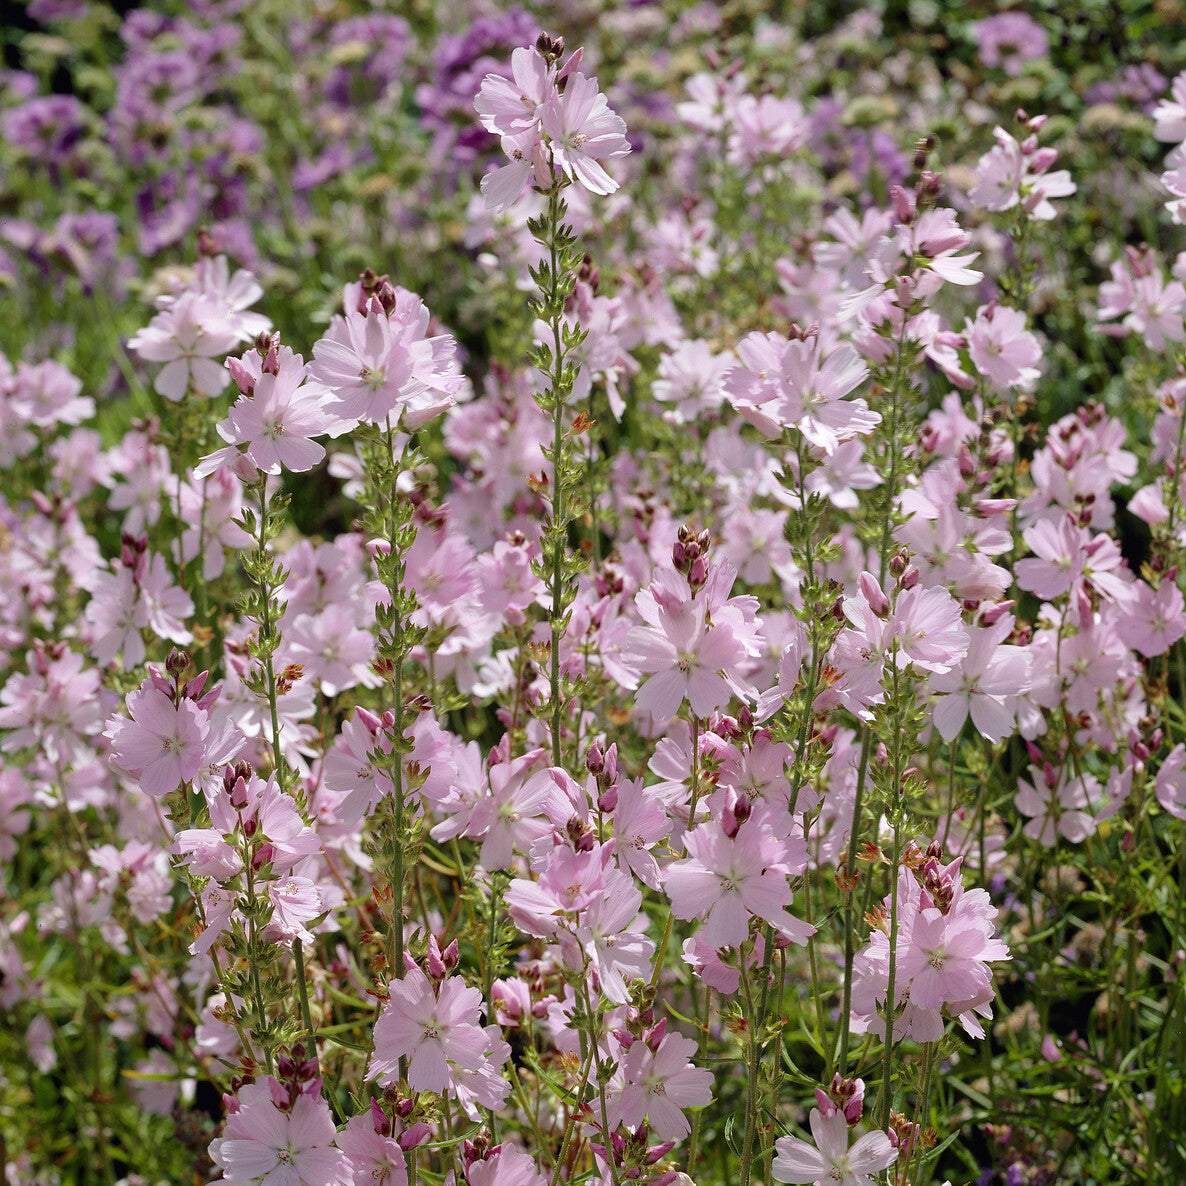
(1058, 805)
(686, 658)
(612, 937)
(276, 420)
(266, 1146)
(163, 745)
(432, 1026)
(584, 132)
(986, 683)
(508, 106)
(1002, 349)
(191, 337)
(659, 1084)
(1068, 557)
(729, 880)
(382, 367)
(542, 128)
(1155, 620)
(929, 629)
(375, 1159)
(506, 1166)
(1169, 116)
(524, 803)
(295, 902)
(46, 394)
(56, 706)
(800, 384)
(830, 1161)
(1010, 174)
(1170, 785)
(1009, 40)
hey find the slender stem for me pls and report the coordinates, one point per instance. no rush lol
(886, 1097)
(298, 954)
(854, 840)
(559, 477)
(694, 1140)
(267, 633)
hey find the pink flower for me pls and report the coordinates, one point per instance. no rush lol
(1169, 116)
(432, 1028)
(570, 882)
(640, 822)
(1002, 349)
(1170, 786)
(946, 940)
(334, 650)
(612, 937)
(508, 106)
(163, 745)
(1156, 619)
(584, 132)
(929, 629)
(382, 366)
(800, 384)
(986, 683)
(46, 394)
(691, 377)
(505, 1166)
(1068, 557)
(1057, 805)
(694, 647)
(507, 585)
(830, 1161)
(1009, 40)
(541, 128)
(375, 1159)
(1012, 173)
(56, 706)
(687, 658)
(276, 419)
(525, 803)
(729, 880)
(659, 1084)
(264, 1145)
(295, 902)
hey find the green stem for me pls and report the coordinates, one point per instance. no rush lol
(298, 954)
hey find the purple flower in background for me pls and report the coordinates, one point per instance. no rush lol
(47, 11)
(47, 127)
(168, 211)
(460, 64)
(370, 51)
(89, 242)
(158, 82)
(1009, 40)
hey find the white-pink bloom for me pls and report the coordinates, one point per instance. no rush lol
(659, 1084)
(163, 745)
(986, 683)
(584, 132)
(191, 338)
(265, 1146)
(433, 1026)
(830, 1161)
(1002, 349)
(1170, 786)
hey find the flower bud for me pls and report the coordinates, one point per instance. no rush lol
(873, 594)
(416, 1135)
(380, 1119)
(433, 964)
